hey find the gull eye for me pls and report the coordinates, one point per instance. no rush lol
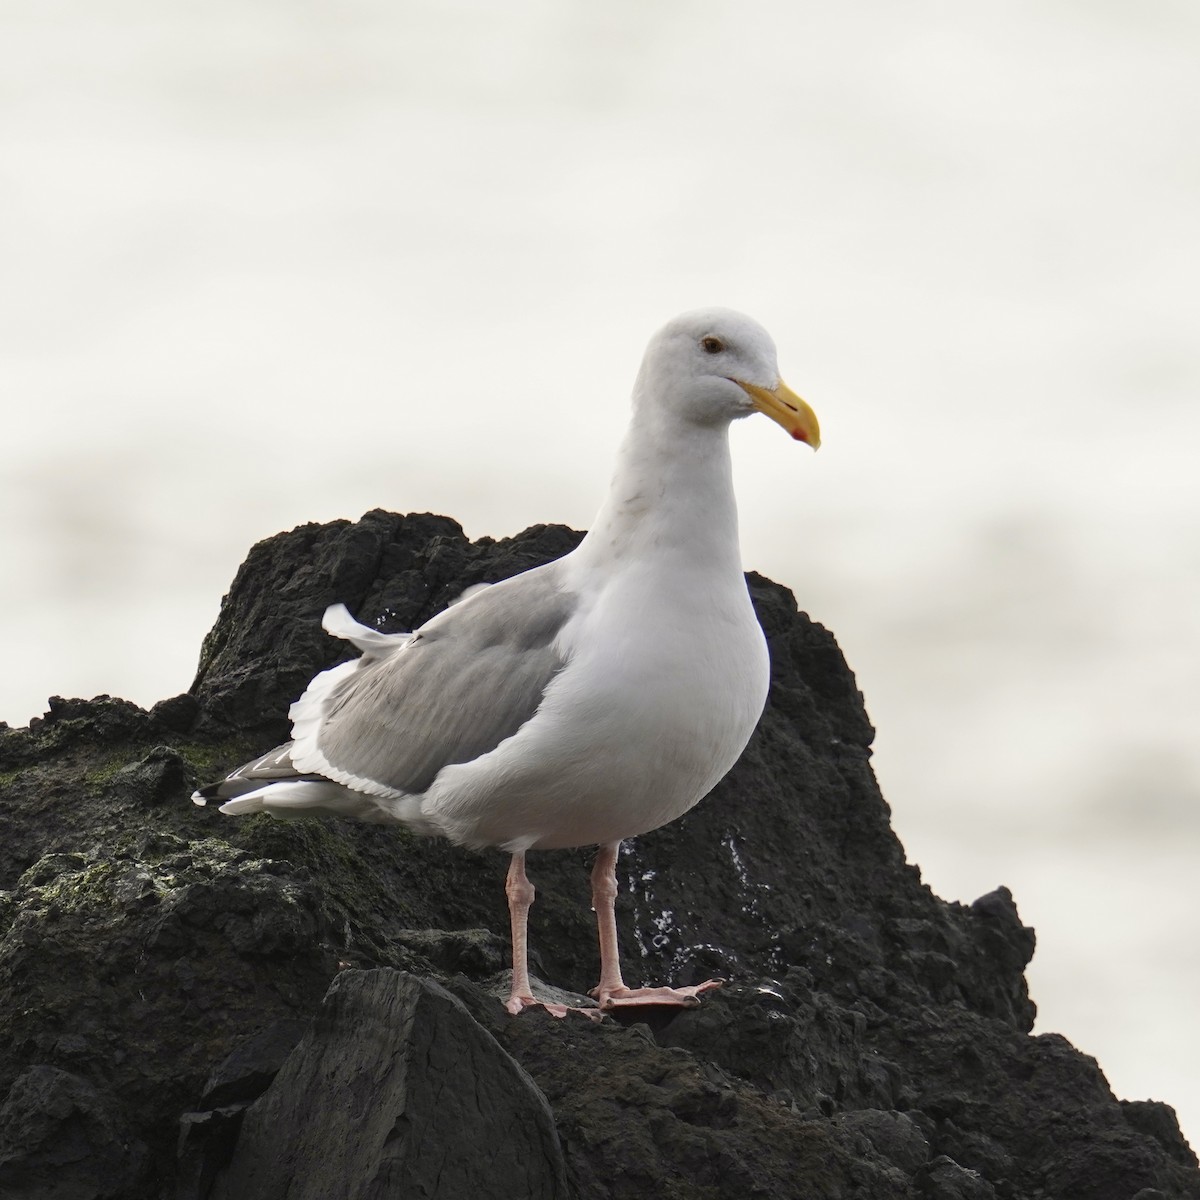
(711, 345)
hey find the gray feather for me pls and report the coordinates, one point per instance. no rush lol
(465, 682)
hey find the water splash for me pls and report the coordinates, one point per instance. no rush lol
(751, 894)
(659, 932)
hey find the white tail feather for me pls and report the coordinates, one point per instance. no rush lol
(338, 622)
(304, 797)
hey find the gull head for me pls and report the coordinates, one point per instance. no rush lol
(714, 365)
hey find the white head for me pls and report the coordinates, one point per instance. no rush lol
(714, 365)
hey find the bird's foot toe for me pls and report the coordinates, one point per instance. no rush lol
(682, 997)
(517, 1004)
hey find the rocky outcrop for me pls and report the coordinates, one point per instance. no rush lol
(412, 1097)
(178, 989)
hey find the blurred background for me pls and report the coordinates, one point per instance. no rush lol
(266, 263)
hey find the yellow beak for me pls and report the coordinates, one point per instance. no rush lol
(781, 404)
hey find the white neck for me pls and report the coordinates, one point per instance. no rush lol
(671, 498)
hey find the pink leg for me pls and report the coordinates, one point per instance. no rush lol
(611, 991)
(520, 897)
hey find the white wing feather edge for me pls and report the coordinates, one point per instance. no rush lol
(308, 714)
(338, 622)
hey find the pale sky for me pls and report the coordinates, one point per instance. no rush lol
(268, 263)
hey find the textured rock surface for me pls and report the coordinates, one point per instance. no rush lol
(158, 962)
(57, 1138)
(412, 1097)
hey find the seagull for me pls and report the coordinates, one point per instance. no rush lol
(586, 701)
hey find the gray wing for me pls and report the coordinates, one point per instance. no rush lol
(464, 682)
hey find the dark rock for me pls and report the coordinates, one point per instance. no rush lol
(178, 713)
(1158, 1120)
(893, 1135)
(207, 1138)
(162, 776)
(944, 1179)
(637, 1119)
(101, 718)
(396, 1090)
(252, 1066)
(798, 1045)
(872, 1039)
(206, 1144)
(975, 1150)
(61, 1139)
(477, 953)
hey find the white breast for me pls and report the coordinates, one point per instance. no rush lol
(649, 713)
